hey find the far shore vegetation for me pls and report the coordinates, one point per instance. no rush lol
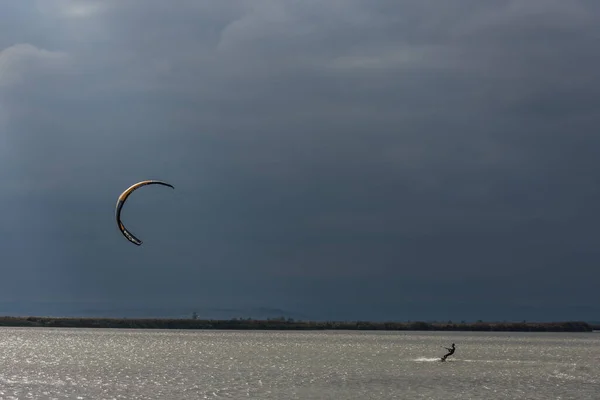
(283, 323)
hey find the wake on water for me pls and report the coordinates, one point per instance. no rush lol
(428, 359)
(438, 359)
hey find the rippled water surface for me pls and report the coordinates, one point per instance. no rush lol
(38, 363)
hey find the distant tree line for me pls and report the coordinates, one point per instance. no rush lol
(290, 324)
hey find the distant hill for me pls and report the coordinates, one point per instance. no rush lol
(116, 311)
(284, 324)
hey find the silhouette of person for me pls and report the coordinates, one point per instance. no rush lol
(450, 352)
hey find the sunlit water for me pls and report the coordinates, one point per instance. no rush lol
(39, 363)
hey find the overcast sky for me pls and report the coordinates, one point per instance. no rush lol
(343, 159)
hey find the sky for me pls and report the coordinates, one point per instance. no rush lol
(340, 159)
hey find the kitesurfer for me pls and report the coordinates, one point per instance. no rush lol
(450, 352)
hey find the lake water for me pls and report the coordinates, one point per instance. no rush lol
(39, 363)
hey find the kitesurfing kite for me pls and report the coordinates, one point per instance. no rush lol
(121, 201)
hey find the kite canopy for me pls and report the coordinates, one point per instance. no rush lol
(121, 201)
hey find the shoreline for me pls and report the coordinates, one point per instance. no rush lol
(282, 324)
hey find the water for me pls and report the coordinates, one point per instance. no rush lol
(38, 363)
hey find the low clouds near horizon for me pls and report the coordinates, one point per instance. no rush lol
(342, 159)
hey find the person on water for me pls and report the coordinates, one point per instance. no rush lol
(450, 352)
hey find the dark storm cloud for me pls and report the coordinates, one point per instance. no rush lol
(379, 159)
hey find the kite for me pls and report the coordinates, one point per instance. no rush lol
(121, 201)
